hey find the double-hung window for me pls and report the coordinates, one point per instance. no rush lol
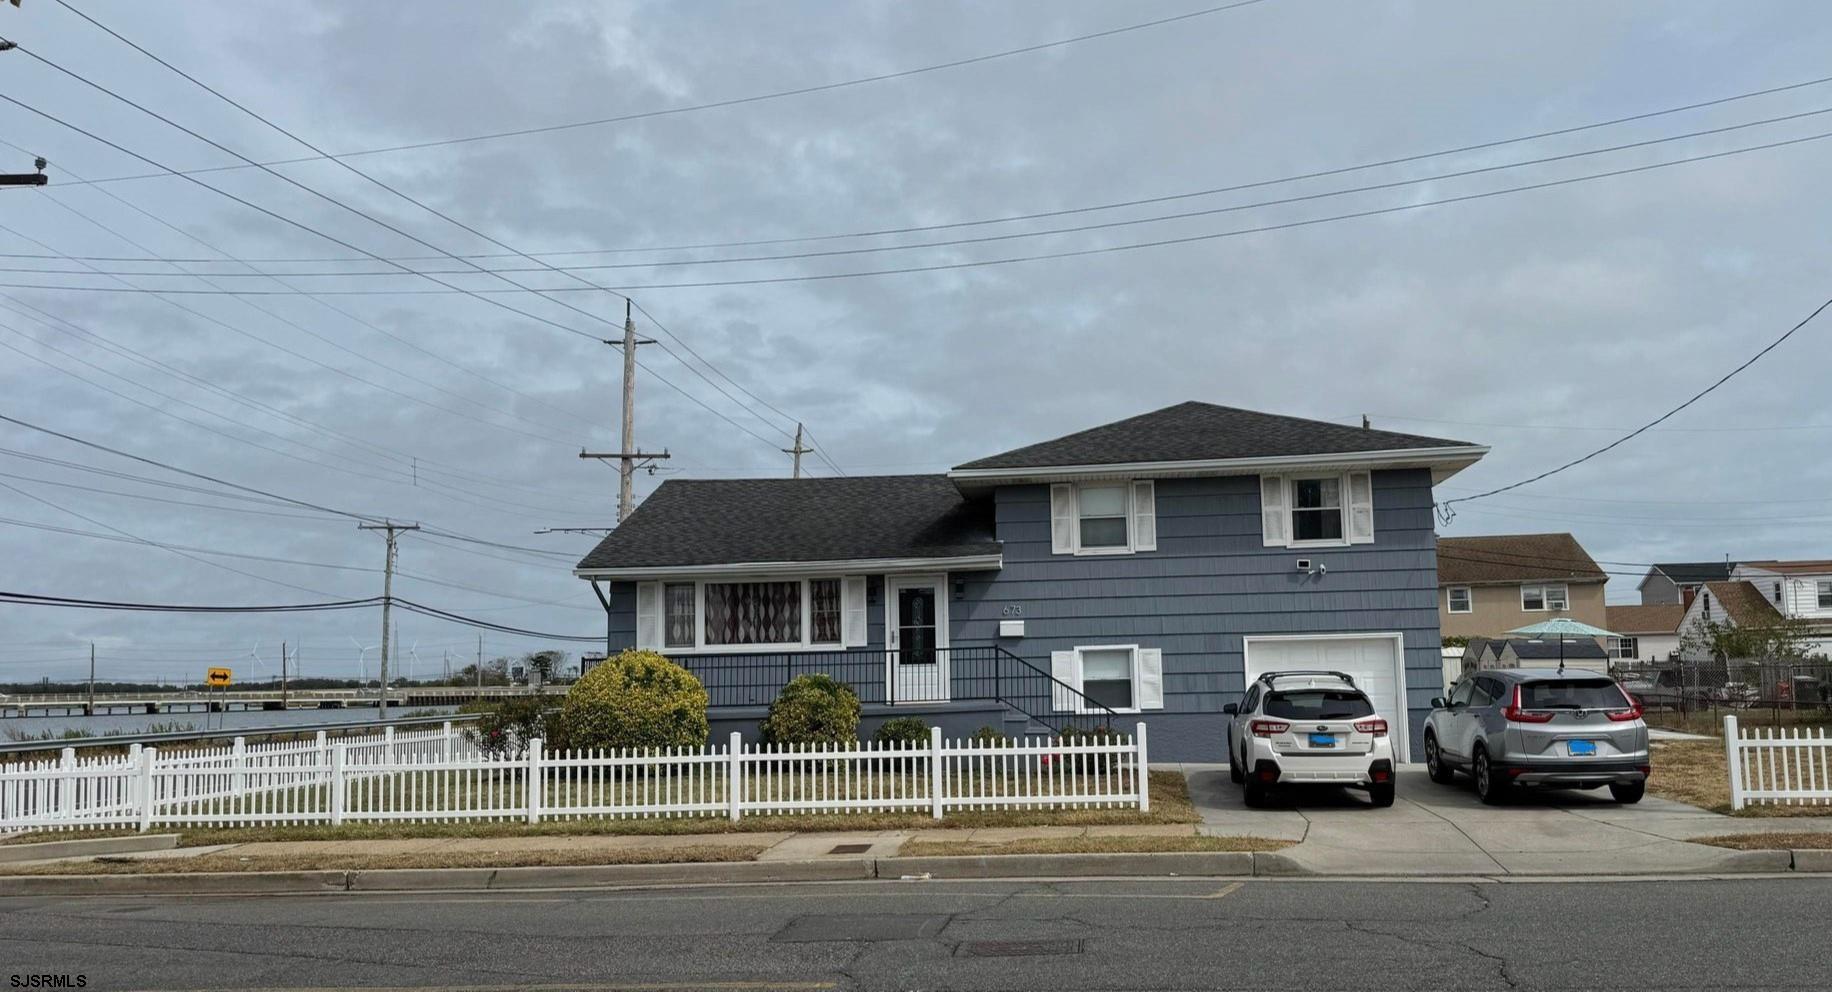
(727, 614)
(1825, 595)
(1103, 518)
(1124, 678)
(1624, 648)
(1317, 510)
(678, 604)
(1458, 599)
(1541, 598)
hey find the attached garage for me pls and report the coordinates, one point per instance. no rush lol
(1375, 661)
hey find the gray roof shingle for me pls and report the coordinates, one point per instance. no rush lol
(728, 521)
(1697, 571)
(1196, 431)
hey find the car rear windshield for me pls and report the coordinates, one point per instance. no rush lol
(1318, 704)
(1571, 694)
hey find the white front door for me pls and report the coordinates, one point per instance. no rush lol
(1375, 661)
(916, 637)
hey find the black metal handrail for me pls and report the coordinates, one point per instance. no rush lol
(879, 676)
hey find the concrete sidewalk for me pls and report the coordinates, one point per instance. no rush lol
(1437, 829)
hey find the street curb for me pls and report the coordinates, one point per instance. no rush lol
(588, 876)
(1070, 865)
(86, 847)
(178, 883)
(1812, 860)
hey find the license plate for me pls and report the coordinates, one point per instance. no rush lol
(1582, 748)
(1322, 740)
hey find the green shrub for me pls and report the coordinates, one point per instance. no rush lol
(506, 727)
(991, 736)
(1089, 735)
(812, 709)
(636, 699)
(903, 730)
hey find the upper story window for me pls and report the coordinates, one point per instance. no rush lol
(1540, 598)
(1317, 510)
(1825, 595)
(1103, 518)
(1459, 599)
(1777, 594)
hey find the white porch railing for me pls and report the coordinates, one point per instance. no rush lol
(430, 779)
(1789, 766)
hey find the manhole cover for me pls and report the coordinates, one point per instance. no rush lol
(861, 927)
(850, 849)
(1015, 948)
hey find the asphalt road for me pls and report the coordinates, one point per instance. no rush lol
(1063, 936)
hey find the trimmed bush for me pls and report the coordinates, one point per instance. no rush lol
(506, 727)
(902, 730)
(1089, 735)
(812, 709)
(991, 736)
(636, 699)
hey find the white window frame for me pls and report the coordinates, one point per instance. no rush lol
(1822, 591)
(1140, 515)
(806, 643)
(1357, 514)
(1624, 648)
(1450, 599)
(1544, 589)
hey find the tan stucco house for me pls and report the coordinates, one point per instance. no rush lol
(1492, 584)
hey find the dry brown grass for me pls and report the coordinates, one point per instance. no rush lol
(229, 862)
(1170, 803)
(1770, 842)
(1711, 722)
(1698, 774)
(1091, 845)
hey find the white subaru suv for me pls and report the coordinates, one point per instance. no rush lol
(1308, 727)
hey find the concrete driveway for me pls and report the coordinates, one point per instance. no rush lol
(1434, 829)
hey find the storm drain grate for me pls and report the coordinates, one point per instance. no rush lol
(1015, 948)
(850, 849)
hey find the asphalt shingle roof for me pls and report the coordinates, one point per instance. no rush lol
(1576, 647)
(1201, 432)
(1659, 618)
(1688, 572)
(1514, 558)
(1744, 603)
(727, 521)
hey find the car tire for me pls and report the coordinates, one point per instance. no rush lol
(1235, 775)
(1489, 789)
(1254, 792)
(1435, 766)
(1381, 794)
(1628, 792)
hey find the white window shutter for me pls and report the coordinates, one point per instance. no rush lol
(1065, 667)
(1151, 679)
(1144, 516)
(1273, 515)
(1361, 508)
(649, 615)
(1062, 519)
(852, 617)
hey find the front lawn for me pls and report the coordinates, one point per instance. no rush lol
(1711, 722)
(1697, 773)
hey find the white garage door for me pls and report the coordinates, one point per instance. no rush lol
(1374, 661)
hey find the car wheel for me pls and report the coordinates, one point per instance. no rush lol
(1440, 772)
(1234, 773)
(1628, 792)
(1488, 788)
(1254, 792)
(1381, 794)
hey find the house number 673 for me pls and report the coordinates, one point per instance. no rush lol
(1013, 611)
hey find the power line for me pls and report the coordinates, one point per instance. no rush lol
(1446, 512)
(732, 102)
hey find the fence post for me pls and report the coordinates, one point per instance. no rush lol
(147, 796)
(534, 780)
(935, 775)
(735, 786)
(238, 755)
(445, 750)
(1143, 770)
(1733, 746)
(388, 745)
(337, 785)
(66, 793)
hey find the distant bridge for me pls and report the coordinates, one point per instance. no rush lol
(265, 698)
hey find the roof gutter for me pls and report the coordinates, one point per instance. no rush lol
(848, 566)
(1444, 462)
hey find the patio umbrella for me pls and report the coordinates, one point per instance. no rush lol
(1562, 627)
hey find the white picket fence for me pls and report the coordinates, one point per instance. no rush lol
(1789, 766)
(428, 778)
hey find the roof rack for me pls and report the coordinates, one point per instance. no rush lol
(1267, 677)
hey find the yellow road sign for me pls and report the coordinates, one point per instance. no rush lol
(217, 676)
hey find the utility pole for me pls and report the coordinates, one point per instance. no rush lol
(628, 457)
(479, 666)
(283, 676)
(798, 450)
(91, 679)
(391, 529)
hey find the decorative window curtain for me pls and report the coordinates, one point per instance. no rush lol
(678, 610)
(753, 613)
(824, 610)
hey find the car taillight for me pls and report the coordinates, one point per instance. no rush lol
(1632, 713)
(1516, 714)
(1266, 728)
(1376, 726)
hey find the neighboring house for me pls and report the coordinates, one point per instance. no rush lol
(1678, 582)
(1583, 654)
(1490, 585)
(1146, 569)
(1646, 633)
(1752, 603)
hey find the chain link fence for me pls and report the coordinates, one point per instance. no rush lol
(1695, 695)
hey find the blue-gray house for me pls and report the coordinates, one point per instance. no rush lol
(1140, 570)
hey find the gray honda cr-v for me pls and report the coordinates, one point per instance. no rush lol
(1534, 727)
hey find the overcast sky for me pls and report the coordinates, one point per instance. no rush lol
(1541, 322)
